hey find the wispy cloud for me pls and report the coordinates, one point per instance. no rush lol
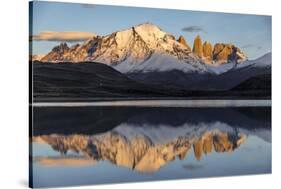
(252, 46)
(90, 6)
(191, 29)
(192, 166)
(68, 36)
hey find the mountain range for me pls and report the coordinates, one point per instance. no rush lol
(136, 62)
(138, 43)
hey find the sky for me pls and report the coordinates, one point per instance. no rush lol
(55, 22)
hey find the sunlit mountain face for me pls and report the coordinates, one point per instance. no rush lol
(138, 43)
(140, 141)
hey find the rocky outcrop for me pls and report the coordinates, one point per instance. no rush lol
(208, 52)
(182, 41)
(36, 57)
(225, 53)
(198, 47)
(57, 54)
(75, 53)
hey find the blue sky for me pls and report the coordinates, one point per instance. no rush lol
(252, 33)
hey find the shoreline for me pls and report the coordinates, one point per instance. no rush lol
(159, 103)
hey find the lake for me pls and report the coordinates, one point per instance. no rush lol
(82, 145)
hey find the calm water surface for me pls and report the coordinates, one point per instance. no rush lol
(95, 145)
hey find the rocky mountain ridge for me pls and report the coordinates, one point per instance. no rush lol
(139, 43)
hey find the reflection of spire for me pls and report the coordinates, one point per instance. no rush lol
(139, 152)
(197, 147)
(183, 154)
(222, 143)
(208, 142)
(204, 144)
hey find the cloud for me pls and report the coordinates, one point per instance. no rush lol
(90, 6)
(252, 46)
(69, 36)
(191, 29)
(192, 166)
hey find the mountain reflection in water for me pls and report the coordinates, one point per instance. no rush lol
(145, 140)
(140, 152)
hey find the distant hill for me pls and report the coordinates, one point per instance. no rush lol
(72, 80)
(260, 82)
(256, 86)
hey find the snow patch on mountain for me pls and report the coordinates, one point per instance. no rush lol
(150, 33)
(220, 68)
(161, 63)
(263, 61)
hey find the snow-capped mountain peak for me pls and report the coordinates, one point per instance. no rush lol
(146, 30)
(136, 43)
(151, 34)
(119, 46)
(133, 48)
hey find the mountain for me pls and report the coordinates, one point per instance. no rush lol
(261, 82)
(136, 62)
(208, 52)
(136, 45)
(182, 41)
(57, 53)
(36, 57)
(225, 53)
(97, 80)
(84, 80)
(160, 63)
(206, 78)
(238, 74)
(198, 47)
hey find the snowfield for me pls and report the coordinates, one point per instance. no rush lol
(163, 63)
(160, 63)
